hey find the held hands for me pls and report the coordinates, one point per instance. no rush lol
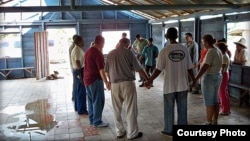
(108, 85)
(192, 84)
(148, 84)
(196, 66)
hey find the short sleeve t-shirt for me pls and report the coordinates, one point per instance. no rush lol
(175, 61)
(77, 54)
(121, 64)
(94, 62)
(214, 60)
(150, 53)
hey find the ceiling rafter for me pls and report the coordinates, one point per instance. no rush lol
(192, 2)
(227, 2)
(133, 11)
(160, 13)
(170, 2)
(148, 9)
(141, 13)
(4, 2)
(148, 13)
(173, 11)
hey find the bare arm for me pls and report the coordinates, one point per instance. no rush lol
(223, 68)
(108, 76)
(155, 74)
(191, 74)
(201, 72)
(79, 66)
(143, 74)
(104, 78)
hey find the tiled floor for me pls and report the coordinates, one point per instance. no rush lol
(42, 110)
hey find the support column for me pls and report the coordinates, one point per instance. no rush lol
(197, 32)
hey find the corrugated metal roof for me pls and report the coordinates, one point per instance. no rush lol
(177, 8)
(152, 10)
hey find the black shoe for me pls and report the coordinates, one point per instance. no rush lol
(195, 92)
(142, 85)
(190, 90)
(165, 134)
(121, 136)
(140, 134)
(207, 123)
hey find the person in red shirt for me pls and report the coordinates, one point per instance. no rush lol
(94, 76)
(202, 56)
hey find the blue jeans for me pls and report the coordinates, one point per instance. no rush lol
(169, 107)
(210, 84)
(73, 86)
(79, 93)
(96, 100)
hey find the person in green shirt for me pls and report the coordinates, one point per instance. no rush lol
(138, 46)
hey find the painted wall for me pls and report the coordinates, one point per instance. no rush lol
(88, 24)
(215, 27)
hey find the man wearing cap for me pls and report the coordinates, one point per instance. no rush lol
(240, 56)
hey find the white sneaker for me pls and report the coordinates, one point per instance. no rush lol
(206, 123)
(103, 124)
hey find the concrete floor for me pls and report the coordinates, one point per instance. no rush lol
(42, 110)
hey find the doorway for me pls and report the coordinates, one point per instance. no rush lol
(59, 40)
(112, 38)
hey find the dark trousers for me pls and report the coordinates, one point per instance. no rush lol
(79, 92)
(142, 62)
(149, 69)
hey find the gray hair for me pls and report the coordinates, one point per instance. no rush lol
(125, 41)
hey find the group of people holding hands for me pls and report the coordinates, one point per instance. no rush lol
(117, 72)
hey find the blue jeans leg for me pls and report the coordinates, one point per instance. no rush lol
(80, 94)
(81, 99)
(169, 107)
(210, 84)
(96, 101)
(73, 86)
(181, 100)
(75, 83)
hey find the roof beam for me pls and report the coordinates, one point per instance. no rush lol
(118, 7)
(70, 22)
(198, 14)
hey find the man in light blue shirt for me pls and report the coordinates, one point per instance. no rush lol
(149, 53)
